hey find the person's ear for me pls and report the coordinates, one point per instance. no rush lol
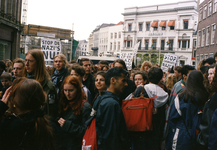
(113, 80)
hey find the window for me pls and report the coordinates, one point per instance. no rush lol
(184, 44)
(111, 35)
(140, 26)
(154, 44)
(171, 27)
(201, 14)
(146, 44)
(203, 37)
(162, 44)
(185, 22)
(206, 56)
(114, 45)
(195, 44)
(181, 62)
(180, 43)
(207, 35)
(194, 55)
(115, 35)
(128, 44)
(155, 28)
(139, 48)
(163, 28)
(214, 6)
(111, 46)
(199, 37)
(213, 34)
(204, 12)
(147, 26)
(210, 9)
(211, 55)
(129, 27)
(119, 34)
(119, 46)
(201, 56)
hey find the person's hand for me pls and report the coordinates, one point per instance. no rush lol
(7, 95)
(61, 121)
(139, 85)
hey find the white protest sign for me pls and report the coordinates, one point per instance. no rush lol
(128, 59)
(135, 49)
(50, 48)
(169, 61)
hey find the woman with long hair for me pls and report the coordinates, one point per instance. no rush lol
(207, 116)
(99, 83)
(27, 127)
(185, 114)
(74, 111)
(171, 80)
(35, 69)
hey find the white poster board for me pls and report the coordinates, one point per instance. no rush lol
(169, 61)
(128, 59)
(50, 48)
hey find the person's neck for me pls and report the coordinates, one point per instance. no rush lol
(112, 90)
(85, 77)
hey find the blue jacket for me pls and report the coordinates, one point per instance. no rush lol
(183, 115)
(110, 124)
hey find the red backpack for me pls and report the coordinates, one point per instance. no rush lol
(90, 138)
(138, 113)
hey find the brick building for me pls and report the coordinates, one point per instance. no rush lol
(207, 35)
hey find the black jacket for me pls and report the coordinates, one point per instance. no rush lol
(90, 84)
(74, 128)
(208, 111)
(110, 124)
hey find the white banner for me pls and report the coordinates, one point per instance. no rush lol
(169, 61)
(135, 49)
(128, 59)
(50, 48)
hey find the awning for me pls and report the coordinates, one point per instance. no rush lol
(154, 24)
(162, 24)
(171, 23)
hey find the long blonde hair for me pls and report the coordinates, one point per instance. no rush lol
(171, 80)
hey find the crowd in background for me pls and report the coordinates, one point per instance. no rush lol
(48, 107)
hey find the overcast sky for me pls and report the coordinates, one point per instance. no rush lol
(85, 14)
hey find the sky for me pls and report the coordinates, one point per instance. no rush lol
(84, 14)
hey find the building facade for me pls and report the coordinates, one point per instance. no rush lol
(82, 48)
(10, 28)
(166, 28)
(108, 40)
(207, 35)
(32, 35)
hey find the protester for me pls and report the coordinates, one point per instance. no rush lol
(73, 112)
(145, 66)
(100, 83)
(27, 127)
(208, 111)
(79, 71)
(102, 63)
(178, 72)
(132, 72)
(105, 68)
(35, 69)
(215, 57)
(18, 68)
(151, 140)
(130, 84)
(185, 114)
(110, 124)
(208, 76)
(140, 78)
(171, 81)
(9, 65)
(6, 80)
(88, 79)
(60, 73)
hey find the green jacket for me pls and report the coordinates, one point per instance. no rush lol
(52, 102)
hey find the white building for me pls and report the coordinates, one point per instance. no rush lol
(82, 48)
(166, 28)
(108, 39)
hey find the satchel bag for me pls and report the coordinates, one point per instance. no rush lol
(138, 113)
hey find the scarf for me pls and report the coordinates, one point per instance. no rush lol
(58, 75)
(30, 76)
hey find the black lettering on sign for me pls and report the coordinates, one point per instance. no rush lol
(45, 54)
(52, 56)
(43, 47)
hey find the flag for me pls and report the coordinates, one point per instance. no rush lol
(168, 43)
(135, 49)
(152, 44)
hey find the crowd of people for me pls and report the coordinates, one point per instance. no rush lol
(49, 108)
